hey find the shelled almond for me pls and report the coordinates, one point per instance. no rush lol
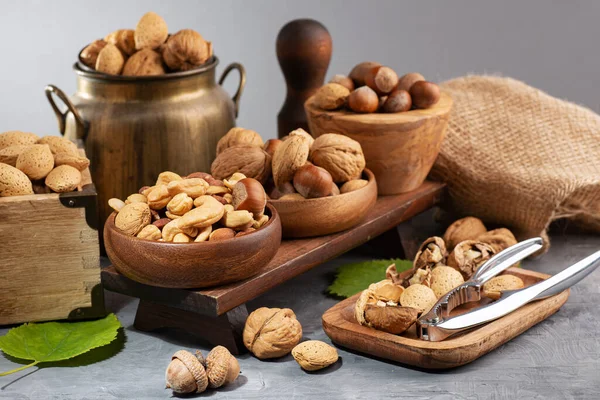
(30, 164)
(147, 50)
(193, 208)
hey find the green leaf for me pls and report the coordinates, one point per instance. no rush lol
(57, 341)
(353, 278)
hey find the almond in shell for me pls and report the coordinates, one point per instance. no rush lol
(13, 182)
(9, 155)
(63, 178)
(123, 39)
(313, 355)
(110, 60)
(150, 32)
(89, 55)
(79, 162)
(13, 138)
(59, 144)
(36, 161)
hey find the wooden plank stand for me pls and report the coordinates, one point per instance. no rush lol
(217, 315)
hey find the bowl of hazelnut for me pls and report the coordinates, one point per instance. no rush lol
(193, 232)
(400, 122)
(318, 186)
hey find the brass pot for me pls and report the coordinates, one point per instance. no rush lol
(134, 128)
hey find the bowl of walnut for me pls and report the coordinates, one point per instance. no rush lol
(318, 186)
(193, 232)
(400, 122)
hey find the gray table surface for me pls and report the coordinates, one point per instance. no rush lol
(557, 359)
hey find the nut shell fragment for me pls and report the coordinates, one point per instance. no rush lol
(432, 252)
(467, 256)
(313, 355)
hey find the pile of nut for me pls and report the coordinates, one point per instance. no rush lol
(297, 167)
(275, 332)
(147, 50)
(192, 373)
(395, 303)
(371, 87)
(195, 208)
(33, 165)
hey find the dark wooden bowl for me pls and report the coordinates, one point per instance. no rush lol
(192, 265)
(326, 215)
(399, 148)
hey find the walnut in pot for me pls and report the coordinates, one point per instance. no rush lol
(468, 256)
(271, 332)
(185, 50)
(341, 156)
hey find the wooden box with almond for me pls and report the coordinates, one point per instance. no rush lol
(318, 186)
(48, 231)
(193, 231)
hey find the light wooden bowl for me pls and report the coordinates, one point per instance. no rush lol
(325, 215)
(399, 148)
(192, 265)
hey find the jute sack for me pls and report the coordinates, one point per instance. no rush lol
(517, 157)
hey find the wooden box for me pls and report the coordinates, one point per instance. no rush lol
(50, 257)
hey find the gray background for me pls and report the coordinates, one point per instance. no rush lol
(548, 44)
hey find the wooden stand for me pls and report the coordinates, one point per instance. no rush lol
(217, 315)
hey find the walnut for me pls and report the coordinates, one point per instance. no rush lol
(499, 239)
(467, 256)
(378, 307)
(468, 228)
(185, 50)
(431, 253)
(237, 136)
(271, 332)
(250, 160)
(341, 156)
(145, 62)
(288, 158)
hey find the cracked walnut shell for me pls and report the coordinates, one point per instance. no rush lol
(341, 156)
(271, 332)
(185, 50)
(250, 160)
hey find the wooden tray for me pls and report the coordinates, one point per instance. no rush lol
(224, 306)
(341, 326)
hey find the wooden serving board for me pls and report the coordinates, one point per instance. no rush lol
(341, 326)
(225, 305)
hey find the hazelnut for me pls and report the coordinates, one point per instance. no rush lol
(271, 145)
(353, 185)
(381, 79)
(331, 96)
(89, 55)
(185, 50)
(312, 181)
(343, 80)
(249, 194)
(186, 373)
(221, 234)
(335, 190)
(360, 71)
(406, 81)
(424, 94)
(271, 332)
(363, 100)
(397, 101)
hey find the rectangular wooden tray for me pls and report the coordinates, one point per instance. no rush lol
(341, 326)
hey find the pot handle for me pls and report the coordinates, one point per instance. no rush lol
(62, 116)
(240, 89)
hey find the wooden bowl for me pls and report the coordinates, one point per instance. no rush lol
(192, 265)
(399, 148)
(325, 215)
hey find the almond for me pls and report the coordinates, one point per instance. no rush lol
(59, 144)
(13, 182)
(12, 138)
(150, 32)
(123, 39)
(36, 162)
(63, 178)
(145, 62)
(495, 286)
(110, 60)
(74, 161)
(8, 155)
(89, 55)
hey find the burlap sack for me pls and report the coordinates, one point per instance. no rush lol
(517, 157)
